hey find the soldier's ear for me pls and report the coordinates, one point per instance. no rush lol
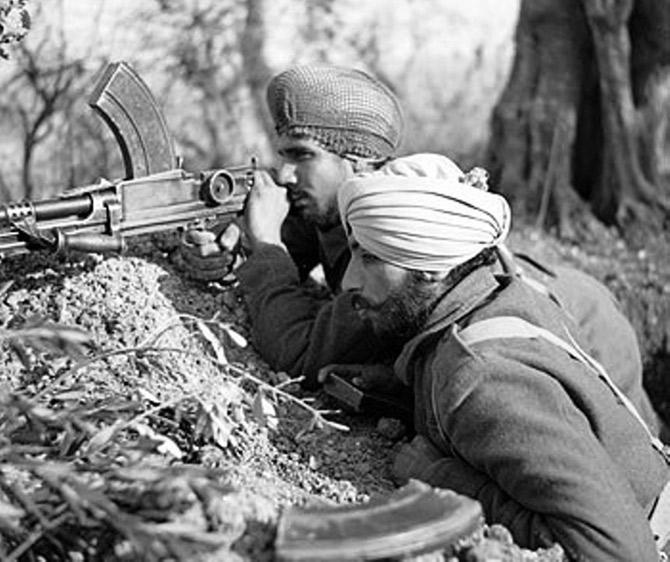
(360, 165)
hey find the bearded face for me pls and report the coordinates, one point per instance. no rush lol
(404, 312)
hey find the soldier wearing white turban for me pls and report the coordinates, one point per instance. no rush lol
(444, 221)
(508, 408)
(422, 223)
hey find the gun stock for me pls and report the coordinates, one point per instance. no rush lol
(155, 195)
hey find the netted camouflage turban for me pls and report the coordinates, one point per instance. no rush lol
(347, 111)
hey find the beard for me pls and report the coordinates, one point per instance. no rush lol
(323, 219)
(310, 211)
(404, 313)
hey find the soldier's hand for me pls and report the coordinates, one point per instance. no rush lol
(413, 458)
(266, 208)
(374, 377)
(208, 256)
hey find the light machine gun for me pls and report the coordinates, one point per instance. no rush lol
(156, 194)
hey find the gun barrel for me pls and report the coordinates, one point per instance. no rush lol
(47, 209)
(80, 205)
(98, 219)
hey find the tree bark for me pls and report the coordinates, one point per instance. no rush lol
(622, 181)
(256, 69)
(650, 72)
(585, 110)
(537, 113)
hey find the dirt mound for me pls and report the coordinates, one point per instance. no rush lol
(172, 384)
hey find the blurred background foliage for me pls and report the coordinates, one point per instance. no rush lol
(207, 62)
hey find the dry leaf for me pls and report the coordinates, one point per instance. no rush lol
(214, 424)
(219, 352)
(58, 339)
(144, 394)
(165, 445)
(222, 427)
(100, 439)
(264, 410)
(235, 336)
(10, 516)
(69, 395)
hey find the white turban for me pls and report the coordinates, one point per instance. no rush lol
(424, 165)
(422, 222)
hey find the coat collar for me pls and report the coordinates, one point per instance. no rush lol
(460, 301)
(333, 242)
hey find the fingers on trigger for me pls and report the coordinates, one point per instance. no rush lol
(230, 237)
(218, 261)
(198, 237)
(207, 274)
(323, 374)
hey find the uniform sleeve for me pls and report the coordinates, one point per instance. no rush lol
(609, 336)
(528, 454)
(293, 330)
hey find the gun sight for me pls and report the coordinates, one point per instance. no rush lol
(220, 186)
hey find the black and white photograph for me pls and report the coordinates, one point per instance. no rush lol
(334, 281)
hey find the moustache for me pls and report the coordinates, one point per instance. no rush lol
(295, 195)
(360, 303)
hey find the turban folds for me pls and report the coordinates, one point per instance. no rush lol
(421, 222)
(347, 111)
(423, 164)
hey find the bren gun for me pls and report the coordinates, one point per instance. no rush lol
(156, 194)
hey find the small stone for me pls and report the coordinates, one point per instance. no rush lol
(493, 551)
(391, 428)
(499, 533)
(313, 462)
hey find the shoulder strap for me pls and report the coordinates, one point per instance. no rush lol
(500, 327)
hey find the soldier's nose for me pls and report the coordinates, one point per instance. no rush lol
(352, 278)
(286, 175)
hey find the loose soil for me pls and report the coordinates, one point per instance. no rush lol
(264, 463)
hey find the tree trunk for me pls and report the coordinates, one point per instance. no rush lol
(650, 71)
(622, 181)
(256, 69)
(585, 110)
(534, 123)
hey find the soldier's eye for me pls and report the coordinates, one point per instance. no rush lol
(368, 258)
(302, 155)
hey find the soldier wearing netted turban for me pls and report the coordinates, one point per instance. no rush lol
(331, 124)
(347, 111)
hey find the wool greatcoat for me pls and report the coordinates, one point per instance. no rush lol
(533, 434)
(298, 333)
